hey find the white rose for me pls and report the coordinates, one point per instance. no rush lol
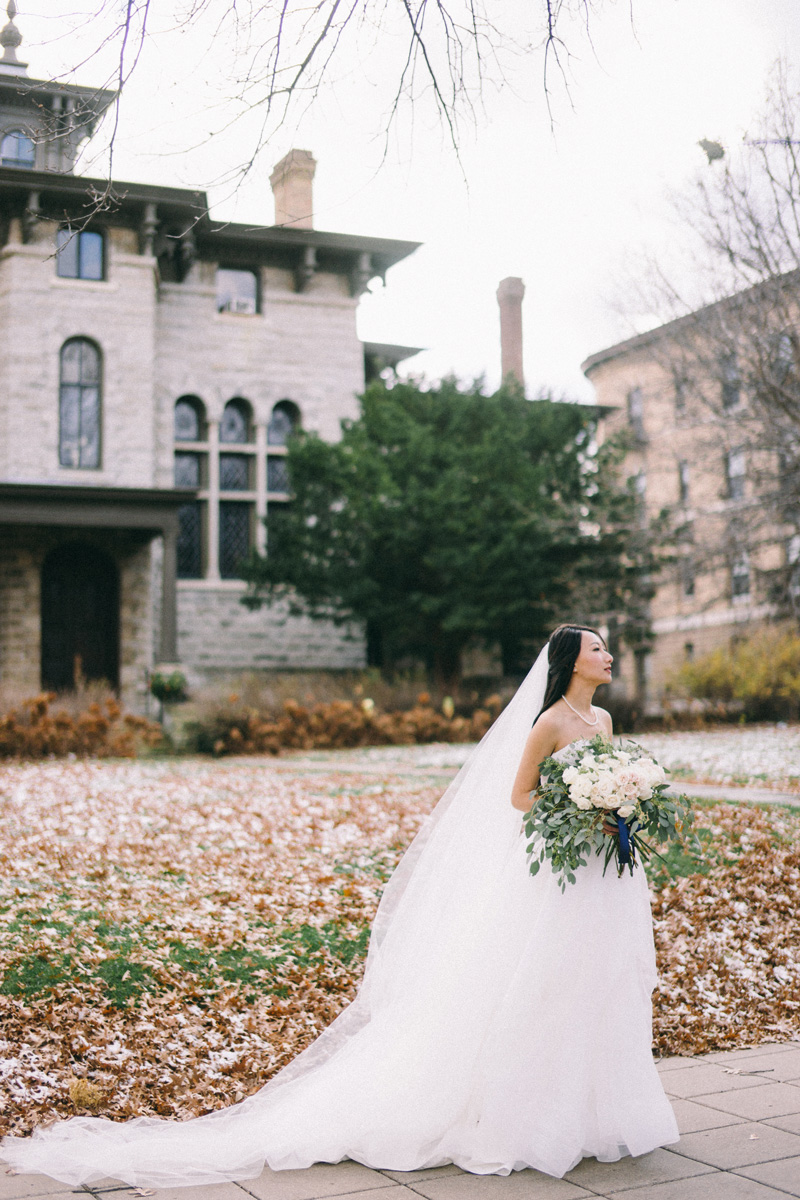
(580, 788)
(623, 757)
(626, 810)
(582, 802)
(570, 775)
(603, 792)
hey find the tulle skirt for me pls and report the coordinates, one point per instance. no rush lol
(522, 1041)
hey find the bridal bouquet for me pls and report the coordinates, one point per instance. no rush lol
(589, 789)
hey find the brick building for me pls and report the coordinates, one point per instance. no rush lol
(155, 362)
(707, 456)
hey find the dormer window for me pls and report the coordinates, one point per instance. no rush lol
(79, 254)
(17, 150)
(237, 291)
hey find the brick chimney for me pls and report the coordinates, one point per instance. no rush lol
(291, 181)
(509, 297)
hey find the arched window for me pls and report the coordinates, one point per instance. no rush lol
(189, 419)
(190, 472)
(79, 254)
(235, 423)
(79, 404)
(17, 150)
(285, 418)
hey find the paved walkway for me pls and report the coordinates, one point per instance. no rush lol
(739, 1115)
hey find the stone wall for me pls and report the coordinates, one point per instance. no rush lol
(117, 314)
(216, 634)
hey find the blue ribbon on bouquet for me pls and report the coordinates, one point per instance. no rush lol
(627, 845)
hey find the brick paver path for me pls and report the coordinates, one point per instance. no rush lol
(738, 1112)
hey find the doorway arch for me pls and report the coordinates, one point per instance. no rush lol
(80, 616)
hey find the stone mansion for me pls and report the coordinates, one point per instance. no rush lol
(155, 362)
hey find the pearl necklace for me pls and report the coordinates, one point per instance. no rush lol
(585, 720)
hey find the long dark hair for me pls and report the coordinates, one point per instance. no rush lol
(563, 650)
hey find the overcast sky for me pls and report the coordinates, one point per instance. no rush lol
(568, 204)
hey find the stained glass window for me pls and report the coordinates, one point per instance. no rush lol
(190, 541)
(234, 537)
(79, 404)
(188, 423)
(79, 254)
(283, 421)
(234, 426)
(234, 475)
(187, 470)
(277, 475)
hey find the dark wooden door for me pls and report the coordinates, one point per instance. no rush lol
(80, 617)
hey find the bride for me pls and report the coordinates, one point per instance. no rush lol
(500, 1024)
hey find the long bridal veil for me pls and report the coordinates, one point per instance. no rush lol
(396, 1064)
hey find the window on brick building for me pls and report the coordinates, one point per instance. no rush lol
(17, 150)
(680, 394)
(80, 402)
(688, 651)
(740, 576)
(635, 403)
(688, 576)
(237, 291)
(683, 481)
(782, 358)
(736, 473)
(79, 254)
(730, 381)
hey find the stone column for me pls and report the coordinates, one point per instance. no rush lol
(168, 650)
(212, 571)
(509, 298)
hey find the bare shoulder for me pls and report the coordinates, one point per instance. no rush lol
(548, 726)
(543, 737)
(605, 719)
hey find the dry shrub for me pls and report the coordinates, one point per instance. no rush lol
(757, 678)
(101, 730)
(339, 724)
(84, 1094)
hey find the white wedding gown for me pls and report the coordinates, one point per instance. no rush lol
(501, 1024)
